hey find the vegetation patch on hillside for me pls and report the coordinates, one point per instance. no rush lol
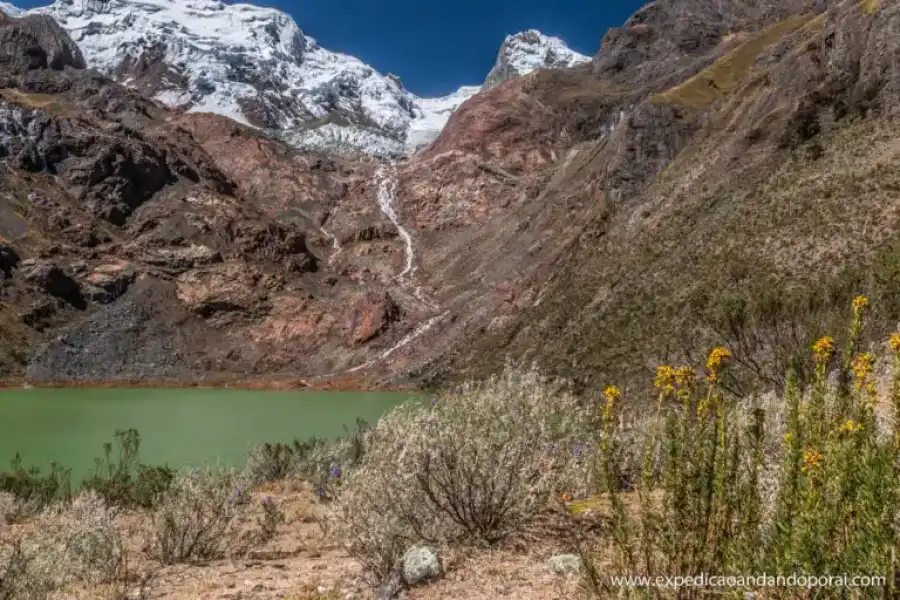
(723, 76)
(870, 7)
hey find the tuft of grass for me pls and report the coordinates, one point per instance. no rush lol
(724, 76)
(870, 7)
(51, 103)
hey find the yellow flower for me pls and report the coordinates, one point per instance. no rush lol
(665, 379)
(860, 303)
(862, 367)
(612, 394)
(895, 342)
(716, 359)
(823, 349)
(685, 377)
(788, 437)
(812, 458)
(851, 426)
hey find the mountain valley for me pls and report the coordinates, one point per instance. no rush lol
(594, 216)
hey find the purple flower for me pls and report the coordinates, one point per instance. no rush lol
(577, 450)
(321, 492)
(434, 401)
(268, 500)
(336, 472)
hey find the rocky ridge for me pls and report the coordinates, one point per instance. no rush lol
(256, 66)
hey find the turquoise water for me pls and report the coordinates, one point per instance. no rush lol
(177, 427)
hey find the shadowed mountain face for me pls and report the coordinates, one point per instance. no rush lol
(593, 219)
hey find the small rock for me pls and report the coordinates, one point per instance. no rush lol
(565, 563)
(54, 281)
(109, 281)
(420, 564)
(38, 314)
(9, 258)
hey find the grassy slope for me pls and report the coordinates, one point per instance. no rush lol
(723, 77)
(734, 214)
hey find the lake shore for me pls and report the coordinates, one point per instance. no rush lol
(348, 384)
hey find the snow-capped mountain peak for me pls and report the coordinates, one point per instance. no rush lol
(529, 50)
(255, 65)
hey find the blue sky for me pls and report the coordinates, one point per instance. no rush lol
(437, 45)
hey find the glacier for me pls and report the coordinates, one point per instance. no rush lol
(256, 66)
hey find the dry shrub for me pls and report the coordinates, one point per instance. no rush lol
(79, 543)
(83, 541)
(16, 580)
(479, 464)
(208, 514)
(14, 509)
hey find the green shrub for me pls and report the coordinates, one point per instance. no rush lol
(125, 482)
(323, 463)
(34, 488)
(270, 462)
(479, 464)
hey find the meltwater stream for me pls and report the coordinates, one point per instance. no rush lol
(387, 188)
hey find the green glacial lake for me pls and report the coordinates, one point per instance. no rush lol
(177, 427)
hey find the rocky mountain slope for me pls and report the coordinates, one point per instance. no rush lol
(719, 172)
(256, 66)
(728, 173)
(143, 244)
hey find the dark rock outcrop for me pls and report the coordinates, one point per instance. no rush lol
(143, 337)
(9, 258)
(55, 281)
(36, 42)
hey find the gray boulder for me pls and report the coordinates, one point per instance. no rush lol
(420, 564)
(563, 564)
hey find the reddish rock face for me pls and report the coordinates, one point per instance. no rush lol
(369, 316)
(514, 138)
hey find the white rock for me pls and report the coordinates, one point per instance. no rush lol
(420, 564)
(563, 564)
